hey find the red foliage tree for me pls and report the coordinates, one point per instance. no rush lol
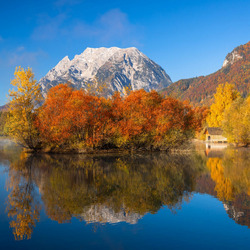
(141, 119)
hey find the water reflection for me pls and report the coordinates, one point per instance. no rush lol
(231, 178)
(112, 189)
(22, 206)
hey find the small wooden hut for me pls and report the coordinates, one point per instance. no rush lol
(214, 134)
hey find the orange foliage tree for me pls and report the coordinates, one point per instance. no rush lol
(76, 119)
(72, 115)
(53, 120)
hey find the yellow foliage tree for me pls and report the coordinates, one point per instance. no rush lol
(23, 105)
(225, 95)
(236, 124)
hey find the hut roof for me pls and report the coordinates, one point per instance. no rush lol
(214, 130)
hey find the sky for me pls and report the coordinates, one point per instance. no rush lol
(187, 38)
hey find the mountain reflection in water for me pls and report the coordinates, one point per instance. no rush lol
(121, 188)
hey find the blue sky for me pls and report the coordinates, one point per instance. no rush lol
(187, 38)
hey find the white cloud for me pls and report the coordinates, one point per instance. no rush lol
(21, 56)
(49, 28)
(112, 26)
(20, 48)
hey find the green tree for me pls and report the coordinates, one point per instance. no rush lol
(23, 105)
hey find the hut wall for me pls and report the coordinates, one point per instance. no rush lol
(215, 138)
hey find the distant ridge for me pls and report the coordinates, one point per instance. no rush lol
(200, 90)
(4, 107)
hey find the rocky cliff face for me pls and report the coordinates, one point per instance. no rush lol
(232, 57)
(113, 68)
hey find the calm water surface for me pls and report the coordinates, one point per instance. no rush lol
(141, 201)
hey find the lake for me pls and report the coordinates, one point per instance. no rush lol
(199, 200)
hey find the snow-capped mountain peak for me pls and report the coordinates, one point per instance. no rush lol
(115, 67)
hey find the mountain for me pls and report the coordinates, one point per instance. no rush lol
(200, 90)
(113, 68)
(239, 210)
(4, 107)
(103, 214)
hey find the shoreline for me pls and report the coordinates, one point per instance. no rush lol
(106, 151)
(184, 149)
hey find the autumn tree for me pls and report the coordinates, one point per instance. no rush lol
(200, 115)
(89, 116)
(76, 119)
(138, 118)
(236, 124)
(52, 120)
(223, 98)
(24, 102)
(72, 118)
(174, 123)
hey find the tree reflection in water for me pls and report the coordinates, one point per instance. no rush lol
(22, 206)
(231, 175)
(111, 189)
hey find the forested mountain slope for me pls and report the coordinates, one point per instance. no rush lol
(200, 90)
